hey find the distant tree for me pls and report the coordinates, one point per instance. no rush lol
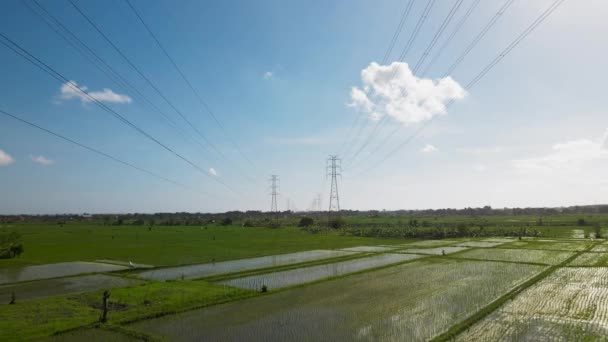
(581, 222)
(336, 223)
(248, 223)
(306, 222)
(598, 230)
(10, 245)
(226, 221)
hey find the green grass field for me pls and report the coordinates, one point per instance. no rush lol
(434, 296)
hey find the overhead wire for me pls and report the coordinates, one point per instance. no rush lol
(541, 18)
(22, 52)
(202, 102)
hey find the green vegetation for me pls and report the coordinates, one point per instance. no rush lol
(10, 245)
(34, 319)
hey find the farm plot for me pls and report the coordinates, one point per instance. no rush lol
(431, 243)
(202, 270)
(573, 246)
(485, 244)
(600, 248)
(63, 269)
(61, 286)
(590, 259)
(570, 305)
(503, 240)
(369, 249)
(409, 302)
(434, 251)
(517, 255)
(309, 274)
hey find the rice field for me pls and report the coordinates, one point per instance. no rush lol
(572, 246)
(434, 251)
(600, 248)
(431, 243)
(62, 286)
(483, 244)
(369, 249)
(515, 255)
(409, 302)
(63, 269)
(304, 275)
(570, 305)
(214, 268)
(591, 259)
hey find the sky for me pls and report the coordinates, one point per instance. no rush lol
(290, 83)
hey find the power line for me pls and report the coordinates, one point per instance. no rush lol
(146, 79)
(404, 52)
(202, 102)
(12, 45)
(479, 37)
(391, 45)
(97, 61)
(457, 28)
(396, 34)
(103, 154)
(438, 34)
(544, 15)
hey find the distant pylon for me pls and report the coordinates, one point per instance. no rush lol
(274, 186)
(334, 169)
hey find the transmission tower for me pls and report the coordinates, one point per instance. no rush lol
(334, 169)
(274, 186)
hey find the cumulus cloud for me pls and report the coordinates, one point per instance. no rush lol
(5, 159)
(428, 148)
(570, 155)
(395, 91)
(70, 91)
(42, 160)
(268, 75)
(212, 172)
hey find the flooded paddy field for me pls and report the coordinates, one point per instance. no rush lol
(304, 275)
(590, 259)
(484, 244)
(62, 286)
(569, 305)
(369, 249)
(63, 269)
(434, 251)
(572, 246)
(413, 302)
(548, 257)
(202, 270)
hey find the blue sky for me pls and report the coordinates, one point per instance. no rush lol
(279, 76)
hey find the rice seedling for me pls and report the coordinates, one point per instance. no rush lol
(570, 305)
(435, 251)
(304, 275)
(517, 255)
(410, 302)
(485, 244)
(369, 249)
(208, 269)
(591, 259)
(27, 273)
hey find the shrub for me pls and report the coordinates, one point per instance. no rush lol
(226, 221)
(306, 222)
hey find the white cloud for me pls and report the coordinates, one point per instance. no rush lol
(395, 91)
(5, 159)
(480, 167)
(568, 156)
(268, 75)
(212, 172)
(481, 150)
(428, 148)
(69, 91)
(42, 160)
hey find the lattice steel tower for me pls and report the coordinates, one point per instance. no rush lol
(274, 186)
(334, 169)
